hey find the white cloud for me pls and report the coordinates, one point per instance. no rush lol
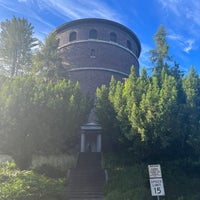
(174, 36)
(80, 9)
(26, 11)
(184, 9)
(193, 12)
(184, 43)
(185, 23)
(171, 5)
(64, 9)
(189, 44)
(9, 7)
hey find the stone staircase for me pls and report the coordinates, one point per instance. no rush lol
(87, 180)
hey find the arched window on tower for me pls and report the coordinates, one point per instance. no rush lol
(72, 36)
(128, 44)
(113, 37)
(93, 34)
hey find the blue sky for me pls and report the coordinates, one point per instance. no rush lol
(181, 19)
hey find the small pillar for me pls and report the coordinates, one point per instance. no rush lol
(82, 142)
(99, 143)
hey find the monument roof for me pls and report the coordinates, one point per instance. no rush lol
(91, 126)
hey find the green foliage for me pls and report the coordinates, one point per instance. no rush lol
(155, 117)
(47, 61)
(191, 87)
(131, 181)
(16, 41)
(159, 55)
(127, 183)
(158, 121)
(40, 117)
(50, 171)
(27, 185)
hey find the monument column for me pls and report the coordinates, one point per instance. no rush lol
(83, 141)
(99, 142)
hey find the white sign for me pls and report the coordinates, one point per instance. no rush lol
(154, 171)
(157, 187)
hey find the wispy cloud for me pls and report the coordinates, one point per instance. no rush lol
(171, 5)
(80, 9)
(189, 45)
(186, 22)
(66, 10)
(8, 6)
(186, 44)
(185, 9)
(193, 11)
(27, 11)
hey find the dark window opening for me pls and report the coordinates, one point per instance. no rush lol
(92, 53)
(113, 37)
(93, 34)
(72, 36)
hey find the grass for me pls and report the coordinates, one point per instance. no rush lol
(127, 183)
(29, 185)
(128, 180)
(131, 181)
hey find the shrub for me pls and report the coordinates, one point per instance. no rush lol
(28, 185)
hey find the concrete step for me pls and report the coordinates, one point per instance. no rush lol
(87, 180)
(86, 198)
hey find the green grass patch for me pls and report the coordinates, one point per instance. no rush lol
(127, 183)
(131, 181)
(28, 185)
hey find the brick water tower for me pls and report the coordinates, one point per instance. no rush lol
(94, 50)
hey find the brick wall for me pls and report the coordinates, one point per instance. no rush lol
(88, 58)
(91, 79)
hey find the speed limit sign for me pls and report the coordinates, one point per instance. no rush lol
(157, 188)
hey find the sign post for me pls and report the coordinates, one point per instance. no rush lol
(156, 181)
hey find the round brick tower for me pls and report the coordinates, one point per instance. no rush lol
(94, 49)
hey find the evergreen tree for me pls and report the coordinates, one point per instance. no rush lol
(47, 61)
(130, 91)
(107, 116)
(168, 109)
(149, 113)
(191, 86)
(159, 55)
(157, 116)
(40, 117)
(16, 41)
(160, 58)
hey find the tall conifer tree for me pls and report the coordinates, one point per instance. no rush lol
(159, 55)
(47, 60)
(16, 41)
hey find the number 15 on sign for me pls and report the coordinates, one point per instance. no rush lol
(157, 188)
